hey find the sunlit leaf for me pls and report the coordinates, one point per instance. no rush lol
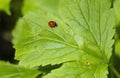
(82, 38)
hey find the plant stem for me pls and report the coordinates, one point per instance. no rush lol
(114, 71)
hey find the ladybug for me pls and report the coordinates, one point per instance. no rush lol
(52, 24)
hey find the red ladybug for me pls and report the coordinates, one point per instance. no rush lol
(52, 24)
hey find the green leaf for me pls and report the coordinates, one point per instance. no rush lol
(33, 37)
(5, 6)
(48, 5)
(83, 38)
(94, 21)
(13, 71)
(117, 10)
(77, 70)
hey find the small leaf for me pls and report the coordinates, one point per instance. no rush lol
(5, 5)
(13, 71)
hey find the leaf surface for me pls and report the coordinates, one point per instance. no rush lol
(48, 5)
(81, 41)
(77, 70)
(47, 45)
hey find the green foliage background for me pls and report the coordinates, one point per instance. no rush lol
(81, 46)
(4, 5)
